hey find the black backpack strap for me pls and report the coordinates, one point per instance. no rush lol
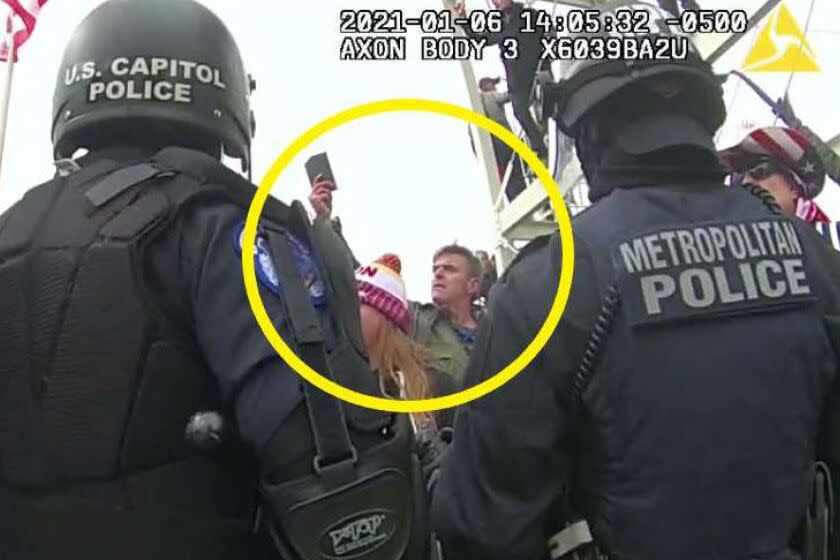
(336, 455)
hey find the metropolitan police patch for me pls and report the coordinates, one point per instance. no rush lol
(711, 269)
(266, 272)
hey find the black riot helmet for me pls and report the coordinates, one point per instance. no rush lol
(136, 69)
(589, 85)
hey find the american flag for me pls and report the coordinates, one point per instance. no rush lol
(20, 22)
(810, 212)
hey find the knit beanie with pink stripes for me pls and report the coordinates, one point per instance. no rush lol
(381, 287)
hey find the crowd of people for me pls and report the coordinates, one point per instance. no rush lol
(793, 151)
(426, 344)
(687, 405)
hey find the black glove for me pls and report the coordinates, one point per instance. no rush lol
(431, 445)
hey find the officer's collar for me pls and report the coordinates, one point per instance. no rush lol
(618, 170)
(126, 153)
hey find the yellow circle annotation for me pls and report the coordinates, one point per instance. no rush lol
(418, 405)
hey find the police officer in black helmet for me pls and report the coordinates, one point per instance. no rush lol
(125, 314)
(680, 406)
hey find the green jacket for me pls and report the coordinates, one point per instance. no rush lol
(446, 356)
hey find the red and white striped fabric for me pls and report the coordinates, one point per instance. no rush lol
(381, 287)
(786, 147)
(20, 22)
(809, 211)
(782, 144)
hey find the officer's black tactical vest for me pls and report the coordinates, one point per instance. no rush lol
(708, 386)
(93, 405)
(96, 386)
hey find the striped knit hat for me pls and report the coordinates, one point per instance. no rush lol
(381, 287)
(785, 146)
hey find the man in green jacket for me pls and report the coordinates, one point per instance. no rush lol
(445, 328)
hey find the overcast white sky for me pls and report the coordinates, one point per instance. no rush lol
(408, 183)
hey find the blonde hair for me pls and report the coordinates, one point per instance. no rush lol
(401, 367)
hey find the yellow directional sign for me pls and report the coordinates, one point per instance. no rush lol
(781, 47)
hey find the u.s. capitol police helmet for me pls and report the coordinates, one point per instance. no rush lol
(588, 82)
(141, 67)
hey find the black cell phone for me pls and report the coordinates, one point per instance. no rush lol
(319, 164)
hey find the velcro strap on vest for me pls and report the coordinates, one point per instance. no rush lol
(119, 181)
(140, 216)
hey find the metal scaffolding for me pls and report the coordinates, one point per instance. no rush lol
(529, 214)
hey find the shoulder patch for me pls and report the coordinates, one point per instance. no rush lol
(308, 269)
(263, 264)
(711, 270)
(266, 272)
